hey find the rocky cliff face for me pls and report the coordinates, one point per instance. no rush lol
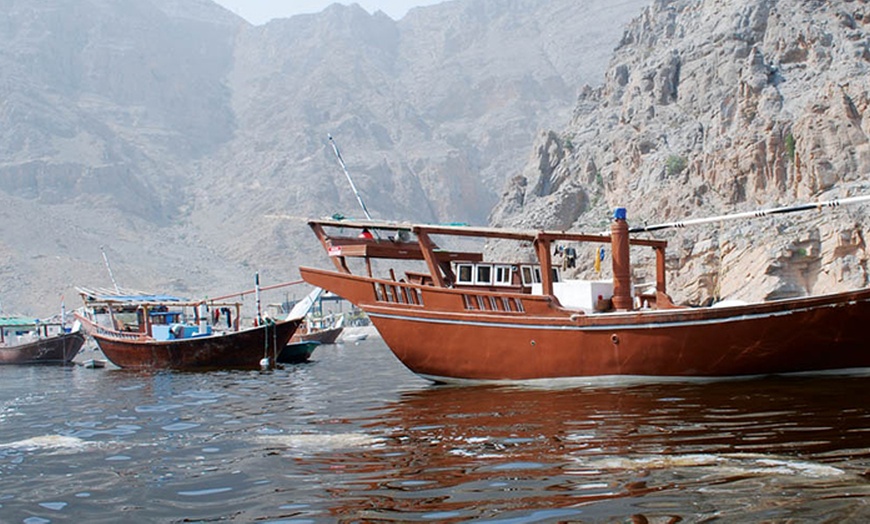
(191, 145)
(711, 107)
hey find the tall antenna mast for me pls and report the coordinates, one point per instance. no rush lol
(109, 268)
(349, 179)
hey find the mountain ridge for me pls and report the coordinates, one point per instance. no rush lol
(174, 134)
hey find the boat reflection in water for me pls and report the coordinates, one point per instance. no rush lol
(770, 450)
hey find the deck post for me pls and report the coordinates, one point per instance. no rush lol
(147, 321)
(620, 247)
(111, 316)
(542, 248)
(660, 269)
(426, 245)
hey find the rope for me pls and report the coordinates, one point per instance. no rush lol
(753, 214)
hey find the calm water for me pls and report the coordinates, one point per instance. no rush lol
(354, 437)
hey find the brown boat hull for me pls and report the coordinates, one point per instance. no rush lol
(60, 349)
(441, 339)
(238, 350)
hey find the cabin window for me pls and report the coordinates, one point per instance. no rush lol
(503, 275)
(531, 275)
(483, 275)
(557, 275)
(526, 272)
(464, 274)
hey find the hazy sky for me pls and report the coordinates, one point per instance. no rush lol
(261, 11)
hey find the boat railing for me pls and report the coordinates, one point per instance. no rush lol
(398, 293)
(492, 302)
(117, 334)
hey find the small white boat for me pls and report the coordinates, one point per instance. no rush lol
(93, 363)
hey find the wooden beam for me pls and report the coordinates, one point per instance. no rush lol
(542, 247)
(339, 262)
(660, 270)
(426, 246)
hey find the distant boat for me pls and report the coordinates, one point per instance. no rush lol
(297, 352)
(141, 331)
(321, 336)
(93, 363)
(465, 319)
(354, 337)
(32, 341)
(315, 326)
(323, 331)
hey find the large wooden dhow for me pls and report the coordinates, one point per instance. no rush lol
(32, 341)
(157, 332)
(465, 319)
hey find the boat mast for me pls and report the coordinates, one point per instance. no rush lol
(349, 179)
(109, 268)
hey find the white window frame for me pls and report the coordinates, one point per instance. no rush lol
(471, 273)
(479, 281)
(507, 273)
(528, 273)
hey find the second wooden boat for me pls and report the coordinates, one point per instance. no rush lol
(136, 331)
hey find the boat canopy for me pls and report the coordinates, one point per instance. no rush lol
(92, 295)
(8, 322)
(399, 244)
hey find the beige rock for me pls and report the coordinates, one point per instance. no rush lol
(711, 107)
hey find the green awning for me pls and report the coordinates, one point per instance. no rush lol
(18, 322)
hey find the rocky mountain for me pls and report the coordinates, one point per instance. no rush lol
(190, 144)
(711, 107)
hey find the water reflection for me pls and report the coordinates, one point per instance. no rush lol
(764, 449)
(328, 442)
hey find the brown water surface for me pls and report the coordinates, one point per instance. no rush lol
(354, 437)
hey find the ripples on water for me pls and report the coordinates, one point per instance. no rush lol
(354, 437)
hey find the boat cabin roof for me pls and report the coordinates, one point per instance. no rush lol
(23, 322)
(134, 299)
(393, 240)
(403, 228)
